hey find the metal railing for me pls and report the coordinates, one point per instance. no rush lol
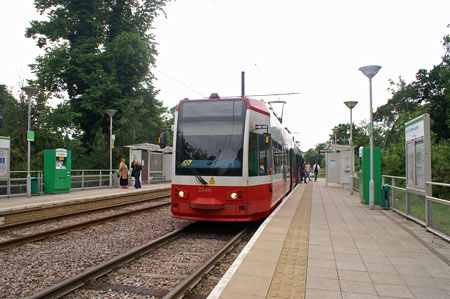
(355, 179)
(16, 184)
(420, 206)
(83, 179)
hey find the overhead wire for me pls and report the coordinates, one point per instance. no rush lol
(181, 83)
(241, 42)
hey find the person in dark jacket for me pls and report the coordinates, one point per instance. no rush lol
(304, 171)
(136, 167)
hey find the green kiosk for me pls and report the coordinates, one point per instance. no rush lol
(57, 168)
(364, 174)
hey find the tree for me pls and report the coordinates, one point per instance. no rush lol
(99, 53)
(14, 114)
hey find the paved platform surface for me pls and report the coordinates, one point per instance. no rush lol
(18, 202)
(344, 250)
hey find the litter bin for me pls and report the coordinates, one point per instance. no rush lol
(384, 200)
(34, 186)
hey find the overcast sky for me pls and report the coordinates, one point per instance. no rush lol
(314, 48)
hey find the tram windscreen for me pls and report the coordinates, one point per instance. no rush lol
(210, 138)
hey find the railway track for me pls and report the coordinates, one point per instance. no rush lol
(65, 229)
(103, 276)
(38, 212)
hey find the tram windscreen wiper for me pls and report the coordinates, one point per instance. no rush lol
(194, 171)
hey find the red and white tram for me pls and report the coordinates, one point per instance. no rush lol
(232, 161)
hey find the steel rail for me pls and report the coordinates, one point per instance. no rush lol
(31, 222)
(72, 283)
(190, 281)
(62, 230)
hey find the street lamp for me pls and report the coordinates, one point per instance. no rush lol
(370, 71)
(335, 131)
(350, 105)
(111, 113)
(30, 91)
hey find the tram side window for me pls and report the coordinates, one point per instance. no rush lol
(253, 155)
(257, 156)
(262, 156)
(277, 157)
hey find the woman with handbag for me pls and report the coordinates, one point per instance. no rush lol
(123, 174)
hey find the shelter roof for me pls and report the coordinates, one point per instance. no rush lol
(149, 147)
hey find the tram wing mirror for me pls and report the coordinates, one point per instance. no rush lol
(267, 141)
(162, 140)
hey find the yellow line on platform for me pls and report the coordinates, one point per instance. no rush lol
(289, 280)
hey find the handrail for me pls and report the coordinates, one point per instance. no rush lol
(81, 179)
(410, 205)
(394, 177)
(438, 184)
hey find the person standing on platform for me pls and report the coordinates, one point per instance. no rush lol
(136, 172)
(303, 172)
(307, 170)
(316, 168)
(123, 174)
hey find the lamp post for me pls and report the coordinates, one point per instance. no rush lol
(370, 71)
(111, 113)
(335, 130)
(30, 91)
(350, 105)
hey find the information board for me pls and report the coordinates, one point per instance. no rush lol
(4, 156)
(418, 152)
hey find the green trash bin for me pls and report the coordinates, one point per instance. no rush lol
(34, 186)
(384, 200)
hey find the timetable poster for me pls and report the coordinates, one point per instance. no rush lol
(420, 164)
(3, 163)
(410, 167)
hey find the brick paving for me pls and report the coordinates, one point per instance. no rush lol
(352, 252)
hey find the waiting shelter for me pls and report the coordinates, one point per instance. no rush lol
(156, 162)
(338, 165)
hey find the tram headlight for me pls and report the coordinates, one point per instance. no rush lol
(181, 194)
(238, 195)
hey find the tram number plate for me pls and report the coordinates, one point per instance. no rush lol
(204, 190)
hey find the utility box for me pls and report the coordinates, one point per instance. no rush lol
(384, 200)
(34, 186)
(364, 174)
(57, 171)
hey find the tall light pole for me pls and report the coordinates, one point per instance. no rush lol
(350, 105)
(111, 113)
(30, 91)
(335, 130)
(370, 71)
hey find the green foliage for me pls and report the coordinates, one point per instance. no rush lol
(313, 155)
(429, 93)
(15, 126)
(100, 53)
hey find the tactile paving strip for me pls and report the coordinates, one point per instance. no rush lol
(289, 280)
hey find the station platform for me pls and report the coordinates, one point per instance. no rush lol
(22, 208)
(321, 242)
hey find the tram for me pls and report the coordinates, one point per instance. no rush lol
(232, 160)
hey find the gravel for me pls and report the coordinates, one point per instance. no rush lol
(28, 269)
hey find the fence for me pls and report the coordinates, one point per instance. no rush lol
(420, 206)
(16, 184)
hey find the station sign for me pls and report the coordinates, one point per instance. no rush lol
(30, 136)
